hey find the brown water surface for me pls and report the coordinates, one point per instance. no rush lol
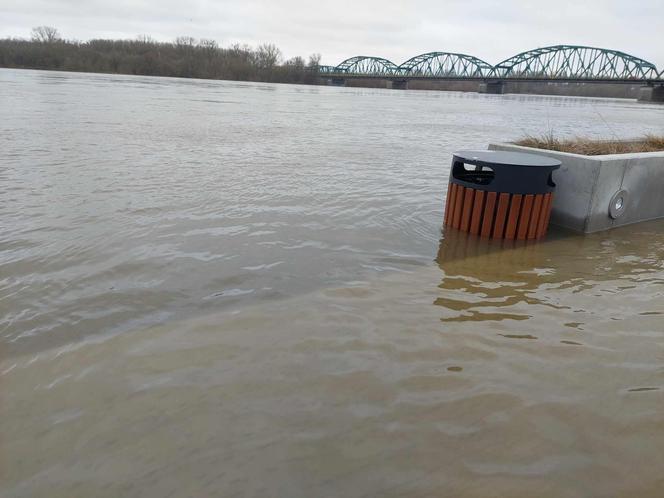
(527, 370)
(236, 289)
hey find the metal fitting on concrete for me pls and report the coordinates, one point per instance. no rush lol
(618, 203)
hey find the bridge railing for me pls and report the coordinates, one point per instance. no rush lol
(564, 62)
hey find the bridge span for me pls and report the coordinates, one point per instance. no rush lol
(555, 70)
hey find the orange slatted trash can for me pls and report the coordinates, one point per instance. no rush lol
(501, 195)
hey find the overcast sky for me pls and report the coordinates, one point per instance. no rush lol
(489, 29)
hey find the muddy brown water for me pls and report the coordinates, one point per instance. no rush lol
(225, 289)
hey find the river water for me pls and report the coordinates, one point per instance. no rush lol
(240, 289)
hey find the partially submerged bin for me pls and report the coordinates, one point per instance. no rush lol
(500, 194)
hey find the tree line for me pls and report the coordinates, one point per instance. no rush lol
(185, 57)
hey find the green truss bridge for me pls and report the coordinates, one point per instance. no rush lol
(564, 64)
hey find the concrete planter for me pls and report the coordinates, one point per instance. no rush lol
(596, 193)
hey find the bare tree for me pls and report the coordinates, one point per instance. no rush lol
(183, 57)
(240, 50)
(296, 62)
(210, 46)
(268, 56)
(145, 39)
(185, 42)
(314, 61)
(45, 34)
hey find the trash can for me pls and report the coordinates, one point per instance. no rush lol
(501, 195)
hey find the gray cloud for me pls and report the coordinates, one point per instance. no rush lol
(490, 29)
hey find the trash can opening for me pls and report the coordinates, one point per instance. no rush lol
(471, 173)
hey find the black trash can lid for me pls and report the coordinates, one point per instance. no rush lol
(499, 157)
(505, 172)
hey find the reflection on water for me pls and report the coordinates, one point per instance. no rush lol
(522, 370)
(488, 280)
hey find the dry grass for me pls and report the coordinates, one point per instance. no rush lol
(588, 147)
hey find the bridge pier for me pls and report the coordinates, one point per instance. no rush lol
(651, 93)
(495, 87)
(399, 85)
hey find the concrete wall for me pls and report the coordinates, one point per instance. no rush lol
(450, 86)
(615, 90)
(415, 84)
(587, 187)
(586, 89)
(653, 93)
(368, 82)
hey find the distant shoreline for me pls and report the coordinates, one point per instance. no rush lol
(184, 58)
(71, 71)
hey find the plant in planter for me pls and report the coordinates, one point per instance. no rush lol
(602, 184)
